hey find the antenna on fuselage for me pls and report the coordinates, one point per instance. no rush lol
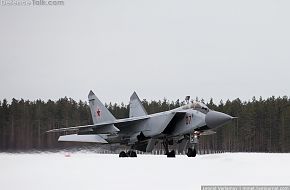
(187, 98)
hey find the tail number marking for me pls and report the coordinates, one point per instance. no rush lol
(188, 119)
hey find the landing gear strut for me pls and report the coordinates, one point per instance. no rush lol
(191, 152)
(170, 154)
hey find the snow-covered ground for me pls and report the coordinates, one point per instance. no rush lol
(91, 171)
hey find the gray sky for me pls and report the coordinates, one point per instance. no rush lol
(159, 48)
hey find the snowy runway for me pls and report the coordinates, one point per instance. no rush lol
(87, 171)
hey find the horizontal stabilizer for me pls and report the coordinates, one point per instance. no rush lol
(83, 138)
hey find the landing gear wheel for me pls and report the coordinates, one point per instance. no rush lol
(131, 153)
(171, 154)
(123, 154)
(191, 152)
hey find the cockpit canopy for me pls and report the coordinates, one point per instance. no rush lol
(197, 106)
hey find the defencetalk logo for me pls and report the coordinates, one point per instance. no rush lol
(27, 3)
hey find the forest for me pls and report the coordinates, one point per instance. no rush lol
(263, 125)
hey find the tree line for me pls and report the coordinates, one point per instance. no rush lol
(263, 125)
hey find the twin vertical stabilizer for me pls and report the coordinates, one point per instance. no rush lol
(99, 112)
(136, 107)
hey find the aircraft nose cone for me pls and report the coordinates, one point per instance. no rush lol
(216, 119)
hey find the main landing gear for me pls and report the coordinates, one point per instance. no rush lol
(170, 154)
(191, 152)
(130, 153)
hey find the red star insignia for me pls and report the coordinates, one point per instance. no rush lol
(98, 113)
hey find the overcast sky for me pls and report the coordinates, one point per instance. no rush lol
(159, 48)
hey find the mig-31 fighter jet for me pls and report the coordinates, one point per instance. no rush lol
(181, 126)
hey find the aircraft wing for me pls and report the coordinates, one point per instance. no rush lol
(105, 127)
